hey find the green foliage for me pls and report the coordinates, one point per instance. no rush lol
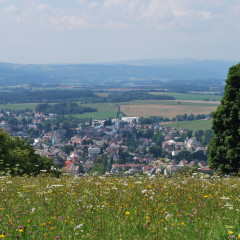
(132, 144)
(67, 149)
(61, 161)
(198, 135)
(63, 108)
(156, 151)
(18, 157)
(208, 135)
(27, 96)
(135, 95)
(123, 156)
(199, 155)
(46, 126)
(184, 155)
(158, 138)
(108, 122)
(224, 149)
(100, 165)
(149, 133)
(143, 120)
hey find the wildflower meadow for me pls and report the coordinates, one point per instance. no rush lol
(120, 207)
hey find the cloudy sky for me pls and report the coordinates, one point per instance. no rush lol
(90, 31)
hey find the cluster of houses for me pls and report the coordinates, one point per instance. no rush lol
(160, 167)
(89, 142)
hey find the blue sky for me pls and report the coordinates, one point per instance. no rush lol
(90, 31)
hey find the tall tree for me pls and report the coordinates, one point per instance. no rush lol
(18, 157)
(224, 149)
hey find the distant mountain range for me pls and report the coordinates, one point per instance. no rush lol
(126, 72)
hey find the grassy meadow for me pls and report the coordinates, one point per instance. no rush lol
(19, 106)
(192, 125)
(190, 96)
(118, 207)
(105, 111)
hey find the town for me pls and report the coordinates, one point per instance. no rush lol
(126, 145)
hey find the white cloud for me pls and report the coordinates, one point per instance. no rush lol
(81, 2)
(133, 4)
(93, 5)
(121, 14)
(205, 15)
(11, 9)
(126, 4)
(112, 3)
(74, 22)
(166, 25)
(20, 19)
(43, 6)
(62, 23)
(235, 8)
(157, 10)
(115, 25)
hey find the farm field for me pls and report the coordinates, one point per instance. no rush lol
(169, 109)
(192, 125)
(19, 106)
(105, 111)
(117, 207)
(140, 108)
(187, 96)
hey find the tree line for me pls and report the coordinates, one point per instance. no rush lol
(41, 96)
(63, 108)
(127, 96)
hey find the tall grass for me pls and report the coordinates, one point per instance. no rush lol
(119, 208)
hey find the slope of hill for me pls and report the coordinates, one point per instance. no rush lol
(112, 73)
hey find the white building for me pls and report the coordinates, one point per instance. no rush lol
(94, 150)
(130, 119)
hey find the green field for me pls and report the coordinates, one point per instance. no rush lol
(193, 125)
(117, 207)
(20, 106)
(193, 97)
(105, 111)
(140, 108)
(205, 93)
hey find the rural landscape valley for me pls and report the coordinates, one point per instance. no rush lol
(113, 163)
(119, 120)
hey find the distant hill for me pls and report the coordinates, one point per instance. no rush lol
(129, 72)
